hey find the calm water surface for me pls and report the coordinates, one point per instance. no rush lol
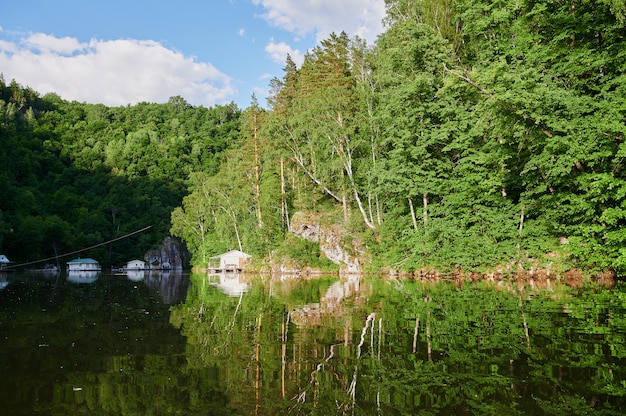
(173, 344)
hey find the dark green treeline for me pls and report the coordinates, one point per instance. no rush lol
(472, 134)
(75, 175)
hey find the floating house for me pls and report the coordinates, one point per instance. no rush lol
(4, 261)
(136, 265)
(232, 261)
(80, 265)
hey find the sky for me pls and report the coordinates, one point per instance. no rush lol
(210, 52)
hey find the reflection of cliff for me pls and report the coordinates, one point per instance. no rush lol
(330, 304)
(171, 284)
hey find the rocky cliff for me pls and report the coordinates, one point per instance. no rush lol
(330, 239)
(171, 254)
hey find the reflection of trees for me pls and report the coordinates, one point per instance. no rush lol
(106, 348)
(407, 348)
(475, 351)
(388, 348)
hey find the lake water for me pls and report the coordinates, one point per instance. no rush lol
(173, 344)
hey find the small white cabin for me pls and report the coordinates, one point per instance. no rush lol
(4, 261)
(233, 260)
(136, 265)
(83, 265)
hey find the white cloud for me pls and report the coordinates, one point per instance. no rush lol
(261, 94)
(112, 72)
(278, 52)
(50, 44)
(7, 47)
(361, 18)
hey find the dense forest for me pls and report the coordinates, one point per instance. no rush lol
(75, 175)
(471, 135)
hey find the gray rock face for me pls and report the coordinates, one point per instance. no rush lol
(309, 227)
(306, 226)
(172, 254)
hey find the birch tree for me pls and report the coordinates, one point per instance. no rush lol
(327, 145)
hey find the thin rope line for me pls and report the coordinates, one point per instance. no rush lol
(78, 251)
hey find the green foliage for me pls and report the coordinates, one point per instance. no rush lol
(513, 141)
(298, 252)
(75, 175)
(471, 134)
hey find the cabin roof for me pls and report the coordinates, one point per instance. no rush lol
(230, 253)
(4, 259)
(85, 260)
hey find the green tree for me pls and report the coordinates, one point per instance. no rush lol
(546, 72)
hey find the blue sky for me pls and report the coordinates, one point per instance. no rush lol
(120, 52)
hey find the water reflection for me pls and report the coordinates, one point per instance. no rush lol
(171, 343)
(363, 346)
(171, 284)
(230, 283)
(331, 303)
(101, 348)
(83, 276)
(135, 275)
(48, 270)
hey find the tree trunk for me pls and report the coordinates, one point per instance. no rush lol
(415, 333)
(257, 175)
(347, 165)
(425, 202)
(413, 217)
(344, 201)
(298, 157)
(231, 213)
(283, 199)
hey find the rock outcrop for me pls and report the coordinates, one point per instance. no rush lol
(171, 254)
(330, 239)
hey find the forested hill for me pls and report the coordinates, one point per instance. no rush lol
(74, 175)
(472, 135)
